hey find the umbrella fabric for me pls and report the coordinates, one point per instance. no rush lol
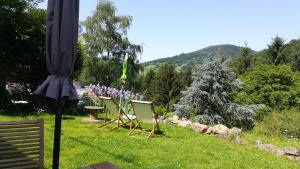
(61, 41)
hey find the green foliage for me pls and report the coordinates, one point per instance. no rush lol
(242, 62)
(147, 84)
(274, 86)
(292, 52)
(261, 113)
(186, 76)
(160, 110)
(106, 41)
(167, 86)
(282, 124)
(275, 51)
(80, 55)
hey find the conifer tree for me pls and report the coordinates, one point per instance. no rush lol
(210, 96)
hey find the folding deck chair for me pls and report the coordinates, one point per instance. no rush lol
(144, 113)
(113, 107)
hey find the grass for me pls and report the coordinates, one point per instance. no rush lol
(83, 144)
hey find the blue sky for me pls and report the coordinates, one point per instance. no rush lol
(169, 27)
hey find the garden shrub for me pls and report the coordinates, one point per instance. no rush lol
(284, 124)
(261, 113)
(160, 110)
(275, 86)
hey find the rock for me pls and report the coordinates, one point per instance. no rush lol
(297, 159)
(175, 119)
(237, 139)
(223, 135)
(290, 157)
(200, 128)
(209, 130)
(235, 131)
(219, 128)
(184, 123)
(166, 121)
(235, 134)
(279, 152)
(267, 147)
(291, 151)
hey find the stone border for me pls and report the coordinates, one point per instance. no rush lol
(291, 153)
(234, 134)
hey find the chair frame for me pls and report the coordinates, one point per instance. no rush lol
(119, 114)
(138, 124)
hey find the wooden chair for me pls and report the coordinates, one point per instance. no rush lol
(22, 144)
(121, 117)
(144, 112)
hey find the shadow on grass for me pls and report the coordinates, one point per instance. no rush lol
(129, 158)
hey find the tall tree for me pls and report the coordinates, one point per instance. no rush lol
(242, 62)
(186, 76)
(106, 40)
(13, 29)
(167, 86)
(275, 51)
(147, 84)
(292, 51)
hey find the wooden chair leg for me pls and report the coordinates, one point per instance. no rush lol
(131, 131)
(107, 123)
(152, 131)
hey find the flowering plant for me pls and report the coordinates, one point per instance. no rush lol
(115, 93)
(121, 96)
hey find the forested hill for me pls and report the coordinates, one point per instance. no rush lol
(198, 56)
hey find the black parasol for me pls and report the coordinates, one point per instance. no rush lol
(57, 93)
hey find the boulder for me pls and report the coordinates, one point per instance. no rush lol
(209, 130)
(175, 119)
(184, 118)
(223, 135)
(291, 151)
(235, 131)
(279, 152)
(184, 123)
(235, 134)
(200, 128)
(219, 128)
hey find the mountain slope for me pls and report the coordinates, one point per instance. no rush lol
(197, 57)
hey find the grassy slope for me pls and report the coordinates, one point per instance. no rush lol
(84, 144)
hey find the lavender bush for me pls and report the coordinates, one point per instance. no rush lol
(121, 96)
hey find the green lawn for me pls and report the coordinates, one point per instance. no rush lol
(83, 144)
